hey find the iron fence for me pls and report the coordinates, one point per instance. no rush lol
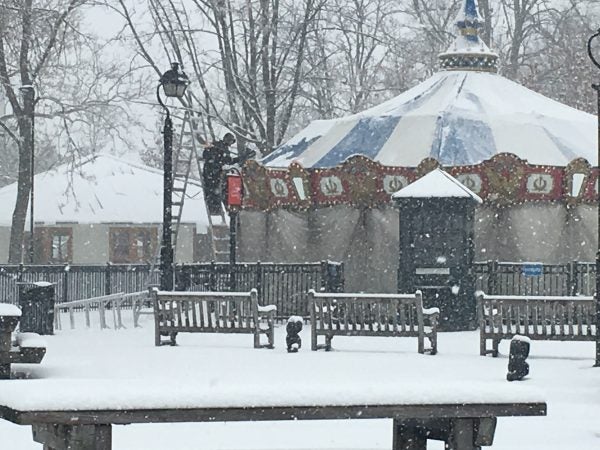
(77, 282)
(284, 285)
(509, 278)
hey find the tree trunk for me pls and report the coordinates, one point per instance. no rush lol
(15, 251)
(485, 11)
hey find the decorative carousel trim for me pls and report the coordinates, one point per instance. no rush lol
(483, 62)
(503, 180)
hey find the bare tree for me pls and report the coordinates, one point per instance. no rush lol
(559, 66)
(249, 78)
(352, 42)
(43, 46)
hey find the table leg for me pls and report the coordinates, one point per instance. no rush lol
(408, 436)
(73, 437)
(4, 371)
(5, 338)
(462, 435)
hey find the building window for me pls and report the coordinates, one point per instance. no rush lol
(54, 245)
(132, 244)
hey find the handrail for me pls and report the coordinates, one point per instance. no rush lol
(114, 300)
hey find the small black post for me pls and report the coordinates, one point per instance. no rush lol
(293, 329)
(519, 351)
(596, 87)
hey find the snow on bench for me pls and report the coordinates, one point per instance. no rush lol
(212, 312)
(9, 310)
(26, 347)
(536, 317)
(353, 314)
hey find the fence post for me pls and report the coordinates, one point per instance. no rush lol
(259, 280)
(232, 276)
(213, 276)
(65, 291)
(325, 282)
(107, 281)
(20, 272)
(572, 278)
(492, 280)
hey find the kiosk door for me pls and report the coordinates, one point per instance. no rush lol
(435, 261)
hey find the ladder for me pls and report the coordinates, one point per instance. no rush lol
(218, 226)
(185, 155)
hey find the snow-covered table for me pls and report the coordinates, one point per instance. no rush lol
(79, 414)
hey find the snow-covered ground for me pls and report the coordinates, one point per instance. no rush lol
(113, 360)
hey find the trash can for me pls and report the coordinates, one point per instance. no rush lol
(36, 300)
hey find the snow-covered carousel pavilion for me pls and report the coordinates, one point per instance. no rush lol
(325, 194)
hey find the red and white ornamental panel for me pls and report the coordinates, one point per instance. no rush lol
(502, 180)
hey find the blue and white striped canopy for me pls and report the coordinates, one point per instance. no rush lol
(458, 117)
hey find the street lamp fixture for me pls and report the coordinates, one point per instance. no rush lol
(174, 83)
(596, 87)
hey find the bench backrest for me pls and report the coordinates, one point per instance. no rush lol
(383, 313)
(206, 311)
(536, 315)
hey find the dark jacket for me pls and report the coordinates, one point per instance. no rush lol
(215, 157)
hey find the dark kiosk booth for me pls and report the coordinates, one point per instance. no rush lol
(436, 247)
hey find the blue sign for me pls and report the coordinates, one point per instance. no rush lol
(532, 270)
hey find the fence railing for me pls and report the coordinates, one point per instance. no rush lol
(76, 282)
(509, 278)
(284, 285)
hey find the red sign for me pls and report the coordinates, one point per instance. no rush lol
(234, 190)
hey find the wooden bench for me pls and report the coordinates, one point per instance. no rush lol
(352, 314)
(24, 348)
(212, 312)
(537, 317)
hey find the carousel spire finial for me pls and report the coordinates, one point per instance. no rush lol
(468, 51)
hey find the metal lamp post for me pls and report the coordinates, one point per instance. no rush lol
(29, 101)
(596, 87)
(174, 83)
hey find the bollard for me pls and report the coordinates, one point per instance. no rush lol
(519, 351)
(293, 328)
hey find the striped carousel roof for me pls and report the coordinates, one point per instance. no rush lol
(464, 114)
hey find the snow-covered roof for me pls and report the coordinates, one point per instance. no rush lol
(436, 184)
(102, 189)
(456, 117)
